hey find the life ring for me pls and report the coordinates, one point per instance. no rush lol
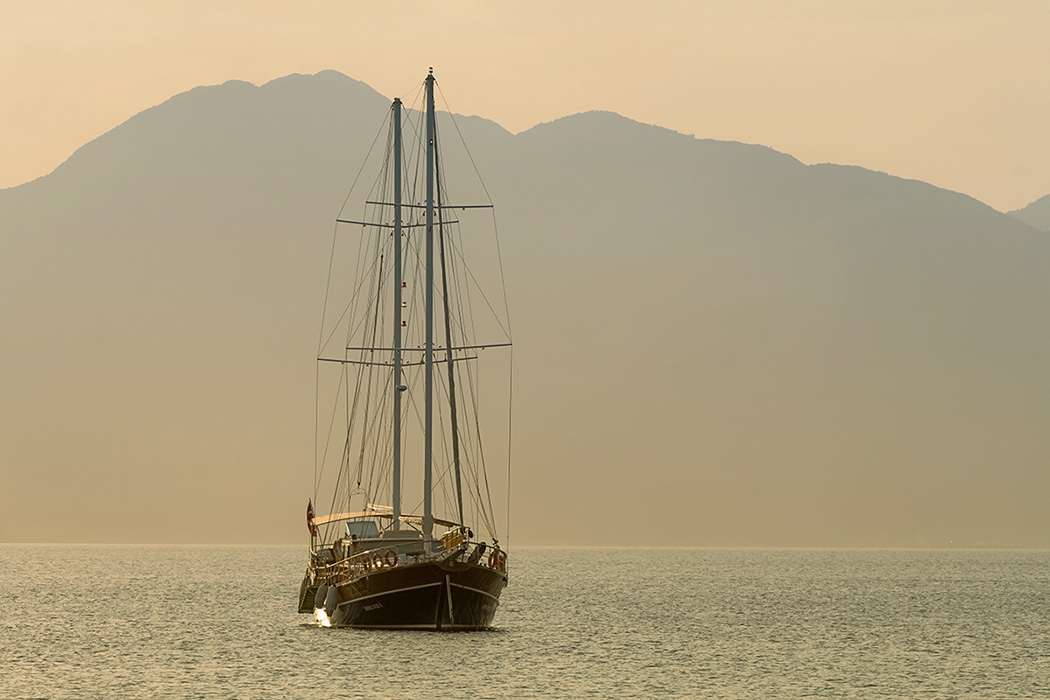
(390, 558)
(377, 561)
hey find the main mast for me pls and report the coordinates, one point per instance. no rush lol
(428, 425)
(398, 387)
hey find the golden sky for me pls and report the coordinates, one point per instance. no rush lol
(953, 92)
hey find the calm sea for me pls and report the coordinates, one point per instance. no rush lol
(101, 621)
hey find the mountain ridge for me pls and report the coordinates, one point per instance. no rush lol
(336, 77)
(1035, 214)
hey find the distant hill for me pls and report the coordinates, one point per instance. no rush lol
(716, 344)
(1036, 214)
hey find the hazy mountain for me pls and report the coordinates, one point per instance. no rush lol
(716, 344)
(1036, 214)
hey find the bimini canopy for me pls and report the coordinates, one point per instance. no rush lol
(388, 514)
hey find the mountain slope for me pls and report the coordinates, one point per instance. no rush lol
(1036, 214)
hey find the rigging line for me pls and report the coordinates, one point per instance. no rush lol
(502, 277)
(474, 493)
(354, 326)
(495, 228)
(378, 440)
(415, 127)
(463, 319)
(476, 446)
(357, 308)
(441, 429)
(468, 315)
(352, 303)
(414, 404)
(450, 236)
(485, 473)
(371, 375)
(481, 291)
(463, 315)
(412, 380)
(317, 420)
(382, 177)
(356, 300)
(413, 117)
(327, 287)
(328, 444)
(471, 372)
(351, 414)
(331, 425)
(444, 441)
(464, 142)
(441, 432)
(343, 472)
(362, 274)
(375, 250)
(364, 162)
(473, 384)
(448, 336)
(418, 90)
(486, 515)
(351, 411)
(510, 425)
(459, 318)
(442, 477)
(478, 463)
(335, 227)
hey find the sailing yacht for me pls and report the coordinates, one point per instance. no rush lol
(404, 403)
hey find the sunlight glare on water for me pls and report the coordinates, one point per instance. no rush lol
(140, 621)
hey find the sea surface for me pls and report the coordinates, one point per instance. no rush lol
(121, 621)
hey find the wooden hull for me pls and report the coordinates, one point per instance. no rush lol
(422, 596)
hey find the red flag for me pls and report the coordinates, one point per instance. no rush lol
(310, 518)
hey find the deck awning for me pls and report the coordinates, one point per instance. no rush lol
(388, 514)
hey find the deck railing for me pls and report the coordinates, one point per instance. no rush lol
(341, 568)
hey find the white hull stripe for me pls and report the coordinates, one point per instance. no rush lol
(475, 590)
(396, 590)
